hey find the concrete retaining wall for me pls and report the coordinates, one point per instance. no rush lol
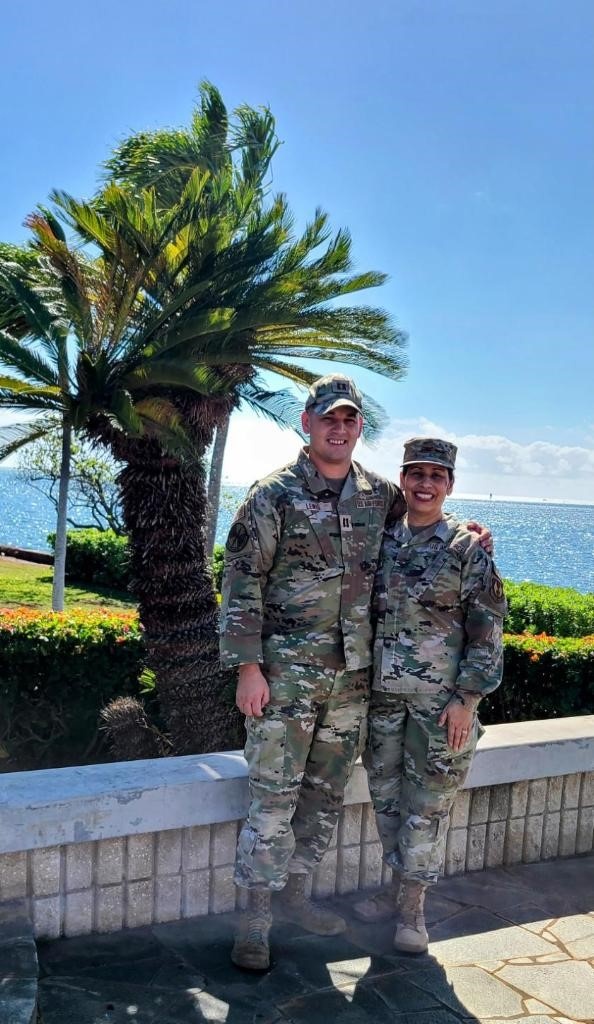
(103, 847)
(43, 557)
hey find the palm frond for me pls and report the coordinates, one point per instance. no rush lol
(87, 220)
(122, 411)
(255, 136)
(283, 407)
(162, 421)
(16, 357)
(20, 387)
(210, 124)
(171, 373)
(45, 319)
(70, 269)
(17, 435)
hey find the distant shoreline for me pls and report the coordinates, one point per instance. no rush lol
(456, 496)
(575, 502)
(468, 496)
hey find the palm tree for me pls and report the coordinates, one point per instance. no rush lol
(163, 160)
(172, 311)
(38, 381)
(215, 475)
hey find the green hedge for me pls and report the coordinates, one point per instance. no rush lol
(558, 611)
(218, 559)
(56, 672)
(94, 556)
(544, 677)
(101, 557)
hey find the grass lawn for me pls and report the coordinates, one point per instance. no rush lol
(26, 583)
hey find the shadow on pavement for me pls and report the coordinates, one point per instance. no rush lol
(514, 943)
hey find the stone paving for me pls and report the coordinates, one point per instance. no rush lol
(507, 944)
(18, 966)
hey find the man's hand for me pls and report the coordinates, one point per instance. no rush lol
(253, 692)
(459, 723)
(484, 535)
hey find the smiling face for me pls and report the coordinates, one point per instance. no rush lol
(332, 438)
(426, 486)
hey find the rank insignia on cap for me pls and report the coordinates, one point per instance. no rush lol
(331, 392)
(430, 449)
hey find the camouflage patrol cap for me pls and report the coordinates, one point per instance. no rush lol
(331, 392)
(429, 449)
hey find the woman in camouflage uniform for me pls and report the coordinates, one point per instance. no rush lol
(439, 606)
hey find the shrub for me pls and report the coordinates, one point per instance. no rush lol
(558, 611)
(218, 559)
(102, 557)
(57, 670)
(96, 556)
(544, 677)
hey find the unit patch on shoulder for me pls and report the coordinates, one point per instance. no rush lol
(238, 538)
(496, 588)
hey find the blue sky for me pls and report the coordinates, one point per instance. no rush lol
(453, 137)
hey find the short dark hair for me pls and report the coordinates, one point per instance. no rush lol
(406, 468)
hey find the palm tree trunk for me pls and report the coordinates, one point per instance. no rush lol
(62, 520)
(164, 507)
(214, 482)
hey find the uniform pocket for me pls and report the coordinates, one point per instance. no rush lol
(246, 843)
(265, 749)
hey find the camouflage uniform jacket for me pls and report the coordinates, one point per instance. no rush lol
(299, 567)
(439, 605)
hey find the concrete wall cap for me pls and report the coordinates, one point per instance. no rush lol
(93, 802)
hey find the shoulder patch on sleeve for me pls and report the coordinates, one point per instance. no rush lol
(237, 538)
(496, 588)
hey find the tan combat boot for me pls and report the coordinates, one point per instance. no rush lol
(251, 949)
(300, 909)
(382, 906)
(411, 933)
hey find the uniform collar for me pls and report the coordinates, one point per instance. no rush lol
(355, 482)
(443, 530)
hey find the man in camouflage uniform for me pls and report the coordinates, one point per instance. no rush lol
(439, 606)
(299, 566)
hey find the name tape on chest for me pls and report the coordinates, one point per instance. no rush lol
(313, 506)
(371, 503)
(404, 549)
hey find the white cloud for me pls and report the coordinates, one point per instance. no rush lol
(492, 463)
(487, 463)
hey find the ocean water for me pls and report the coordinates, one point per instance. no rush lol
(540, 541)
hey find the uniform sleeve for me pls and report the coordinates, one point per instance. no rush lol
(396, 504)
(481, 668)
(249, 555)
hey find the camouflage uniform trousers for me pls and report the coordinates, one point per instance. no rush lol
(413, 778)
(300, 755)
